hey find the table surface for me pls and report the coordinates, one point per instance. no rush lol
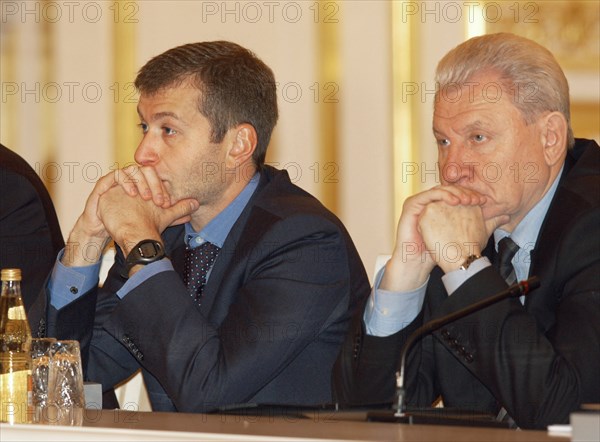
(121, 425)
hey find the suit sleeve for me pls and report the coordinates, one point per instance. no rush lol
(293, 288)
(540, 372)
(365, 371)
(27, 233)
(82, 320)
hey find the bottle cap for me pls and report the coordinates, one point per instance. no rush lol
(11, 275)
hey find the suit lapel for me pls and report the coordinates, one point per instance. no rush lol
(541, 303)
(239, 241)
(175, 247)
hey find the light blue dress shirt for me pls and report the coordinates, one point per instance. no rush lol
(388, 312)
(66, 284)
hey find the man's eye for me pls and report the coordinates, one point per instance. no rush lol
(144, 127)
(479, 138)
(169, 131)
(443, 142)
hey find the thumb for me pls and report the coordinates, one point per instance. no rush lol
(495, 222)
(181, 211)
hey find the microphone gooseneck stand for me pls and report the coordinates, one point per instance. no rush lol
(400, 415)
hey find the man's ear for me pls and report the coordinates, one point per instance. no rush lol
(554, 137)
(243, 145)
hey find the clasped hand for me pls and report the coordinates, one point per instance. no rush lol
(127, 205)
(441, 226)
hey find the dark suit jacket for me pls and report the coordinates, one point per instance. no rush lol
(541, 360)
(274, 314)
(30, 235)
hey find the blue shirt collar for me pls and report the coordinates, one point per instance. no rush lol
(526, 232)
(218, 228)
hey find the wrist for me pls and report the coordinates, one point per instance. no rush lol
(403, 274)
(83, 249)
(129, 239)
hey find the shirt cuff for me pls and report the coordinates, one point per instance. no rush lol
(389, 312)
(454, 279)
(67, 284)
(145, 273)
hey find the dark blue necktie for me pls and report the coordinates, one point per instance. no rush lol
(198, 261)
(507, 249)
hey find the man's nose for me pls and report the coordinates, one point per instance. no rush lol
(454, 167)
(146, 154)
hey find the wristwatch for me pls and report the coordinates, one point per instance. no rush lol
(144, 252)
(465, 265)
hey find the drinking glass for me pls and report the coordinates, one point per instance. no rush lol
(40, 366)
(65, 384)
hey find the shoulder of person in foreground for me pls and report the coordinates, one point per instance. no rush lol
(30, 235)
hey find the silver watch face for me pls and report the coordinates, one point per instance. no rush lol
(145, 252)
(149, 249)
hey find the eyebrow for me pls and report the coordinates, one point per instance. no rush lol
(478, 124)
(475, 125)
(161, 115)
(436, 131)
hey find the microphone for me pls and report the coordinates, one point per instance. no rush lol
(514, 291)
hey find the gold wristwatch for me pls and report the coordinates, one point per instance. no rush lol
(465, 265)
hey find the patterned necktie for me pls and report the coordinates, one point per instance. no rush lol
(197, 263)
(506, 251)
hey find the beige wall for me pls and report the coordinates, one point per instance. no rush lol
(63, 79)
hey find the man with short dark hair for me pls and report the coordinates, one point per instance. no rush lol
(231, 284)
(519, 197)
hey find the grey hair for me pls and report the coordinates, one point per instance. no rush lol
(526, 69)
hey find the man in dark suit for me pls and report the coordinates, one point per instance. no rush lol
(510, 168)
(231, 284)
(30, 235)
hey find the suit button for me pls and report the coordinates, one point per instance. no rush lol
(446, 334)
(469, 357)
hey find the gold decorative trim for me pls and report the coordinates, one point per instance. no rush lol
(405, 135)
(8, 74)
(125, 134)
(569, 29)
(48, 115)
(328, 65)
